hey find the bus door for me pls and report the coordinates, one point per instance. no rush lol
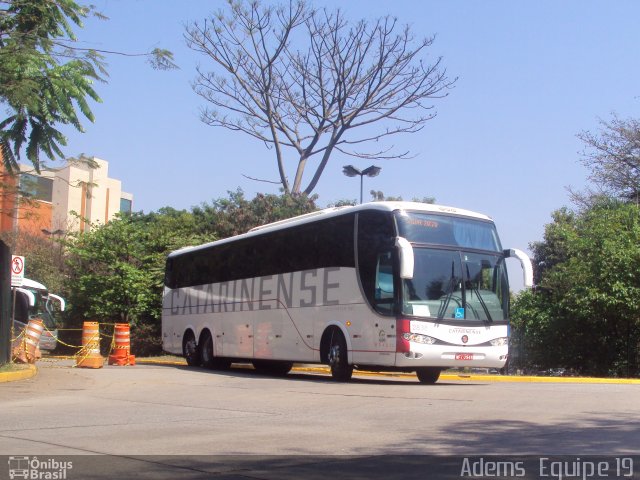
(373, 334)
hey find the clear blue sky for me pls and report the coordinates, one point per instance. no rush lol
(532, 74)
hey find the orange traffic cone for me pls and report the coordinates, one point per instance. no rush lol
(89, 355)
(121, 354)
(26, 349)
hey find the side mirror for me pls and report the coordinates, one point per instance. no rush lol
(525, 261)
(60, 301)
(406, 257)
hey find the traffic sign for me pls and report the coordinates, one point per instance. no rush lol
(17, 270)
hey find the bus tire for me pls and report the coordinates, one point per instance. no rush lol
(207, 356)
(190, 349)
(272, 367)
(428, 375)
(337, 357)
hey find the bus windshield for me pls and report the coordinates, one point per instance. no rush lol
(437, 229)
(457, 285)
(462, 276)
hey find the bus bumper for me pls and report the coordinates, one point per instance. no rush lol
(48, 341)
(452, 356)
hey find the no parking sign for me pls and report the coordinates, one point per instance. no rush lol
(17, 270)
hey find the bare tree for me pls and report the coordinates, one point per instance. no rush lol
(293, 76)
(613, 156)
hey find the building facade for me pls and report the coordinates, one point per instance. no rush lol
(67, 199)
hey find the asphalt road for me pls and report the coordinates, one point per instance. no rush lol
(164, 410)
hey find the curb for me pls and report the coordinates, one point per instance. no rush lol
(525, 379)
(489, 378)
(150, 361)
(448, 376)
(19, 374)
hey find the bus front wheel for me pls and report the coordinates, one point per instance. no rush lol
(337, 358)
(428, 375)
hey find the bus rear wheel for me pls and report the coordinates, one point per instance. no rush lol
(341, 371)
(207, 357)
(190, 349)
(428, 375)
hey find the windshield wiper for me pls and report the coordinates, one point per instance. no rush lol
(445, 305)
(476, 290)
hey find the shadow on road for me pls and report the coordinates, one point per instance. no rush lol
(584, 434)
(242, 370)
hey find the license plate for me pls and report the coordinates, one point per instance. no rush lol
(464, 356)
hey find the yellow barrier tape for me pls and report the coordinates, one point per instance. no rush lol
(106, 335)
(83, 351)
(57, 337)
(18, 337)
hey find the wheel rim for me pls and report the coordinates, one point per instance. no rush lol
(207, 351)
(334, 355)
(190, 349)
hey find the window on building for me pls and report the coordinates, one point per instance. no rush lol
(125, 205)
(38, 188)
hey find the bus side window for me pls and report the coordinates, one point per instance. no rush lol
(384, 293)
(375, 259)
(384, 277)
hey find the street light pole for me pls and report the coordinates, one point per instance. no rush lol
(351, 171)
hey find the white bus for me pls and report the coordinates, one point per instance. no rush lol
(33, 300)
(385, 286)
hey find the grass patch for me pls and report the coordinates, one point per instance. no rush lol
(163, 358)
(13, 367)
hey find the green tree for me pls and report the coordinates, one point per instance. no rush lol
(554, 249)
(109, 275)
(46, 80)
(44, 257)
(116, 271)
(585, 313)
(339, 86)
(43, 83)
(234, 215)
(379, 196)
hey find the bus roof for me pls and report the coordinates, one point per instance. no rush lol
(337, 211)
(28, 283)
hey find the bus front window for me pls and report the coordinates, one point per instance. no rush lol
(450, 284)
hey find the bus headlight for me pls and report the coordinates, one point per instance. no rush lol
(418, 338)
(499, 342)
